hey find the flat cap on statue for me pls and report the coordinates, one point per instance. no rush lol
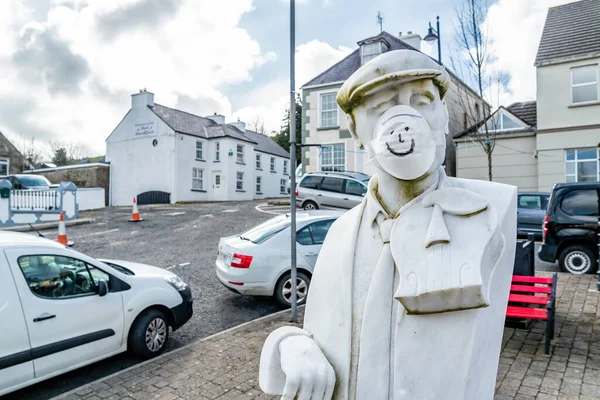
(397, 66)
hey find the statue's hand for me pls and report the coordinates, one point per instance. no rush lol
(308, 373)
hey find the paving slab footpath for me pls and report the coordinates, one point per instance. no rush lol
(225, 365)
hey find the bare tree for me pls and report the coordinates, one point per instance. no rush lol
(258, 125)
(477, 59)
(68, 152)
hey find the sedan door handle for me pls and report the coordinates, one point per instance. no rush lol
(345, 198)
(44, 317)
(319, 195)
(311, 254)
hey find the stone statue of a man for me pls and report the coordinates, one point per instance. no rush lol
(410, 289)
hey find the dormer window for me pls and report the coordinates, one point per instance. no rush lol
(369, 51)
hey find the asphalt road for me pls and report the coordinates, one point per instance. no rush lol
(183, 238)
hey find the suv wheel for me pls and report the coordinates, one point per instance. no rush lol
(310, 205)
(577, 260)
(283, 289)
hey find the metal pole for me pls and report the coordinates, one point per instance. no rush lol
(598, 232)
(439, 40)
(294, 298)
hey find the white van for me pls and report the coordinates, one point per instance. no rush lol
(61, 310)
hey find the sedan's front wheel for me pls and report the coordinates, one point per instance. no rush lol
(149, 334)
(283, 289)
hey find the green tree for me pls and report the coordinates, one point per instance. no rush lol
(60, 157)
(283, 137)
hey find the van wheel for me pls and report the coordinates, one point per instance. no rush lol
(310, 205)
(577, 260)
(149, 334)
(283, 289)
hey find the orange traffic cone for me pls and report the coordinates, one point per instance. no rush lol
(135, 215)
(62, 232)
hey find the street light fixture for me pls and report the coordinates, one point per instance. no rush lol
(433, 35)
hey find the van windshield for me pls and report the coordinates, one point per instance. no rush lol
(264, 231)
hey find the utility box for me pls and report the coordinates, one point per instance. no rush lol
(4, 193)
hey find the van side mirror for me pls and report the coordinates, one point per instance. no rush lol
(102, 288)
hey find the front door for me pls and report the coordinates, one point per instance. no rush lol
(219, 186)
(530, 213)
(16, 367)
(69, 323)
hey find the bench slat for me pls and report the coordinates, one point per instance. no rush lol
(531, 279)
(521, 298)
(526, 312)
(531, 289)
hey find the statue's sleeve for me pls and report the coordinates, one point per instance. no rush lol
(271, 377)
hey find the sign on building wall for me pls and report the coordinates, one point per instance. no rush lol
(145, 129)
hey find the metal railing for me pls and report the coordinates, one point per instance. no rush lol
(34, 200)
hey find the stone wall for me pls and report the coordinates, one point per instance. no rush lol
(82, 177)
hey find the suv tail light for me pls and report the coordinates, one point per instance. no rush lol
(545, 226)
(241, 261)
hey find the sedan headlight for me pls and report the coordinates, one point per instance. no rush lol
(176, 282)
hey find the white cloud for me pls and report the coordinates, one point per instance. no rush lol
(69, 76)
(273, 99)
(515, 28)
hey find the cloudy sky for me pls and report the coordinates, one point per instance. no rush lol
(68, 67)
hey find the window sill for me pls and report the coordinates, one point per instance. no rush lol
(241, 163)
(259, 169)
(273, 172)
(200, 159)
(328, 128)
(217, 161)
(199, 190)
(240, 191)
(259, 193)
(589, 103)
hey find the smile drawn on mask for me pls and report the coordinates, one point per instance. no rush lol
(404, 153)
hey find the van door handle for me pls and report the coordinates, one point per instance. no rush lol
(319, 195)
(345, 198)
(44, 317)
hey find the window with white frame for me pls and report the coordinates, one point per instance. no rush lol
(329, 110)
(4, 166)
(217, 151)
(584, 84)
(285, 167)
(258, 184)
(199, 154)
(258, 164)
(282, 185)
(333, 157)
(272, 164)
(502, 122)
(240, 153)
(369, 51)
(239, 181)
(582, 165)
(197, 179)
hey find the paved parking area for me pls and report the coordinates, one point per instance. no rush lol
(183, 239)
(225, 366)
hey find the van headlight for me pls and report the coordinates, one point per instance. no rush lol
(176, 282)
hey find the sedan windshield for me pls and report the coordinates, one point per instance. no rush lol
(33, 181)
(264, 231)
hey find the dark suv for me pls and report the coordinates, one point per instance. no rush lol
(571, 227)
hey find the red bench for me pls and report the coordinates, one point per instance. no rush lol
(527, 294)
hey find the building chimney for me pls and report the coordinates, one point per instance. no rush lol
(240, 125)
(412, 39)
(142, 99)
(217, 118)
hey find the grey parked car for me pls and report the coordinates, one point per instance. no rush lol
(331, 190)
(531, 209)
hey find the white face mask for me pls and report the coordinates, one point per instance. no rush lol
(404, 146)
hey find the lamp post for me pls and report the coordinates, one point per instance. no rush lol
(433, 35)
(294, 277)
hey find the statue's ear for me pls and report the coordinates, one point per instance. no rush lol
(352, 129)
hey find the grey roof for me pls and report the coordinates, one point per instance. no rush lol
(571, 31)
(266, 145)
(343, 69)
(190, 124)
(525, 111)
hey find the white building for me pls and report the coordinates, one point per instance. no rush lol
(191, 158)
